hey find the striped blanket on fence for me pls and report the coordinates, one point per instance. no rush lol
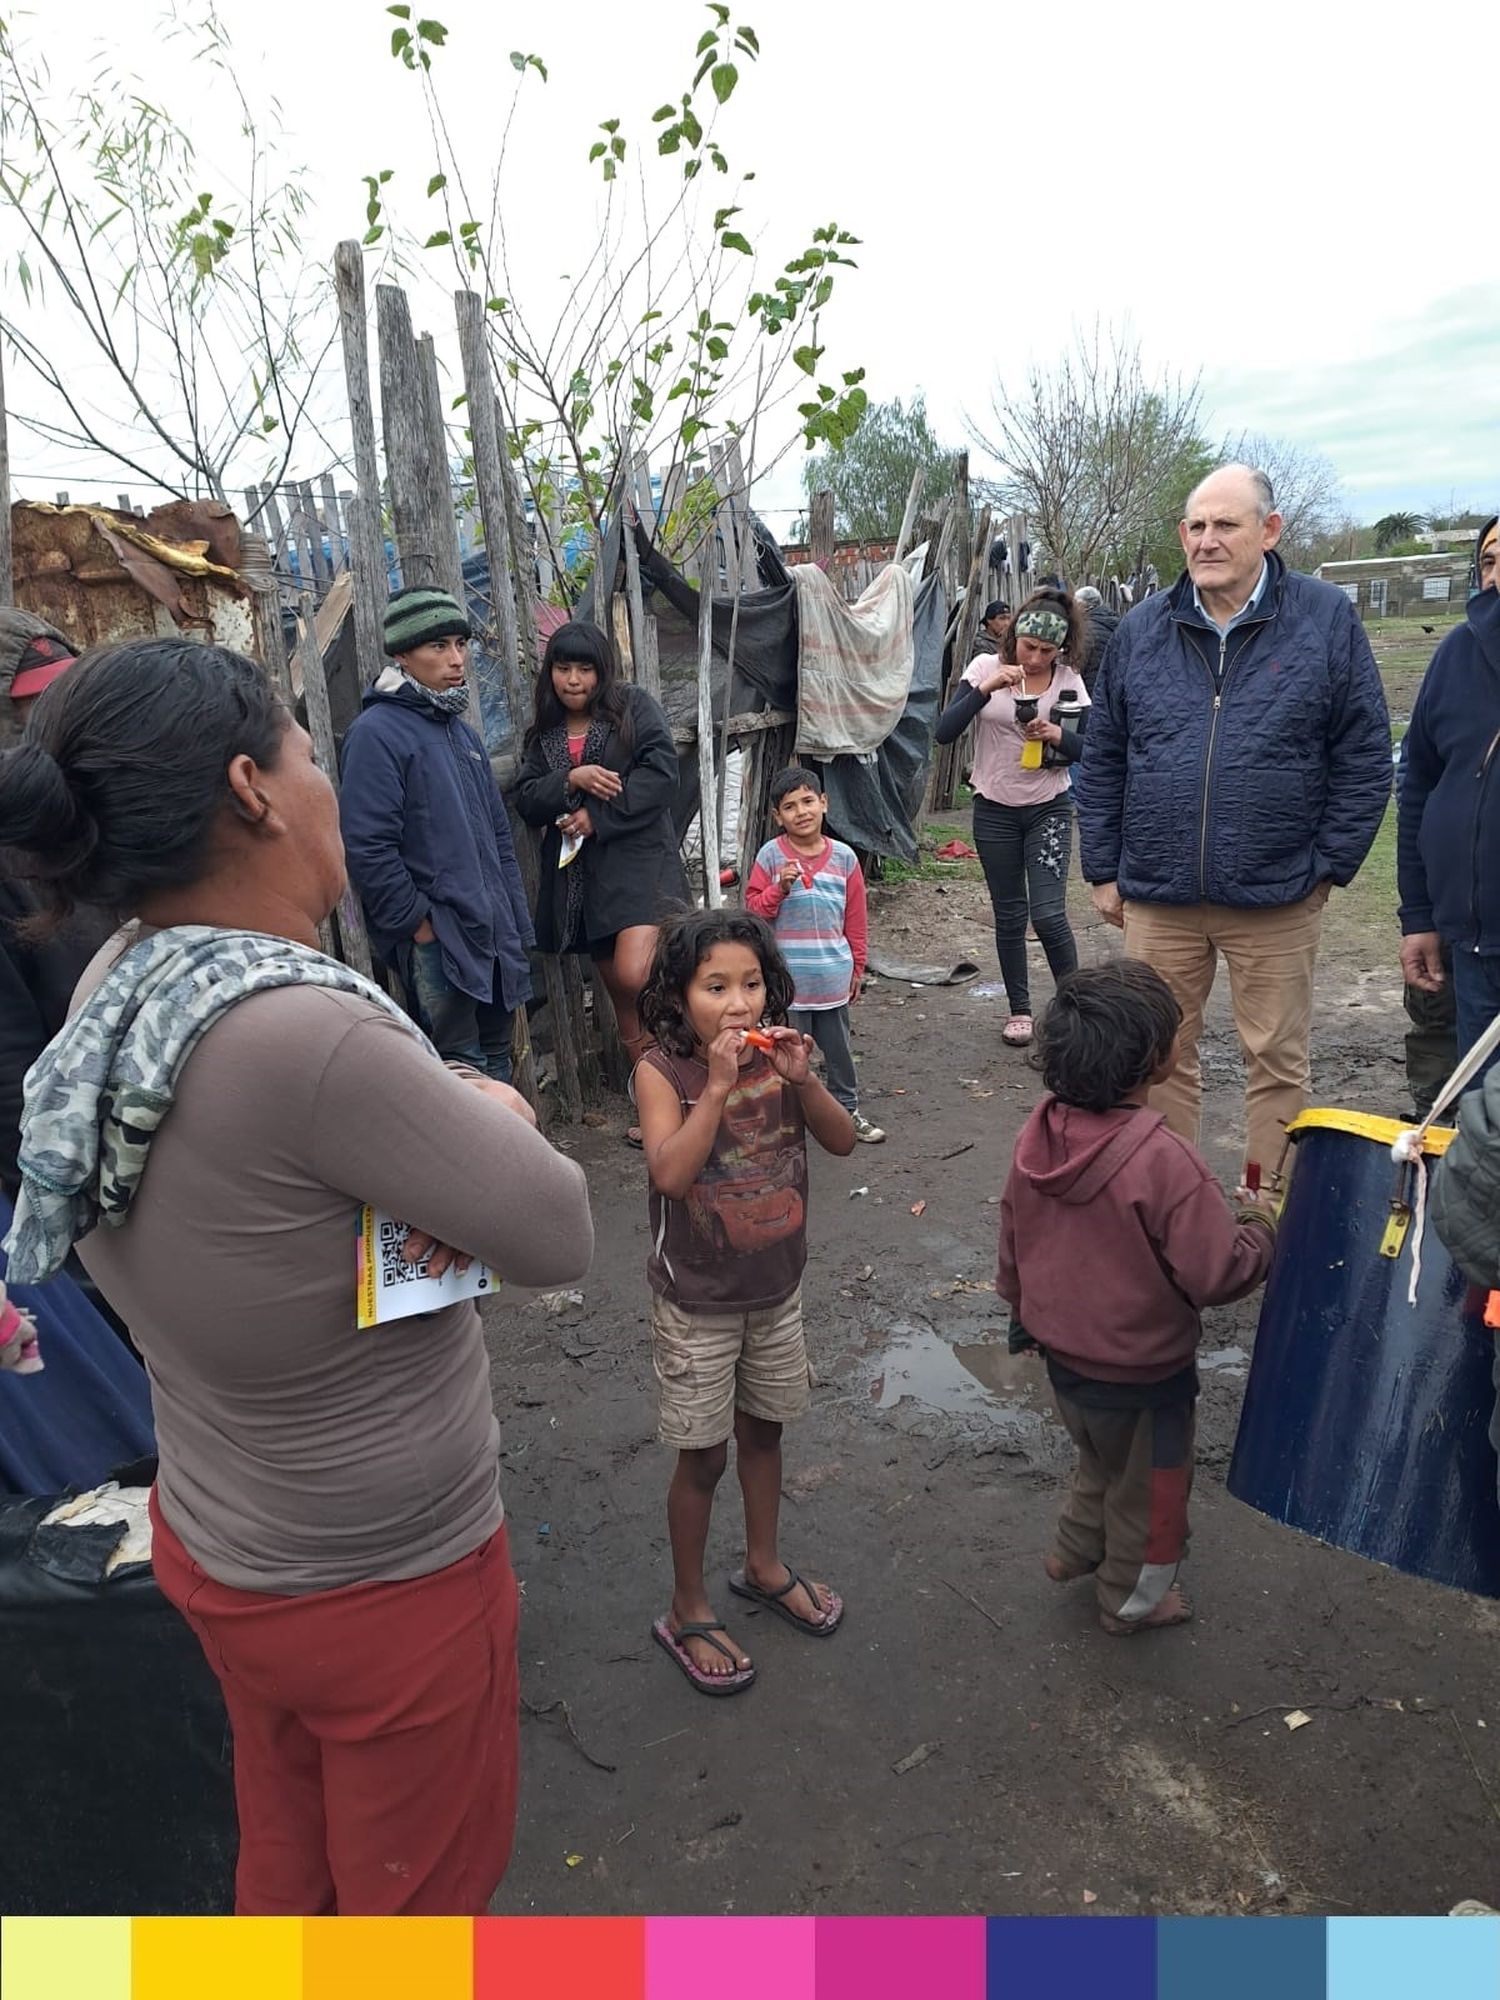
(854, 662)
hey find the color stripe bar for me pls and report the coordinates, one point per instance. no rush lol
(1393, 1958)
(65, 1958)
(773, 1955)
(1241, 1958)
(555, 1958)
(384, 1958)
(890, 1958)
(1041, 1958)
(233, 1958)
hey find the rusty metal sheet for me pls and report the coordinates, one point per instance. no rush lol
(101, 575)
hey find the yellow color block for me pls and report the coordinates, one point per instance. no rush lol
(388, 1958)
(65, 1958)
(229, 1958)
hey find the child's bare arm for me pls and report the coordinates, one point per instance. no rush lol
(830, 1124)
(827, 1120)
(677, 1147)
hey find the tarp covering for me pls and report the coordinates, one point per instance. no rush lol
(854, 662)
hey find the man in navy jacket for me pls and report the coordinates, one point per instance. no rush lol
(428, 841)
(1237, 766)
(1448, 825)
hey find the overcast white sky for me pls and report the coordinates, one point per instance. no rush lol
(1297, 199)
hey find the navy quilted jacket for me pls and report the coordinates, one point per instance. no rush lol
(1448, 830)
(1244, 770)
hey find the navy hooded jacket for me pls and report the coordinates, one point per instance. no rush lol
(1243, 768)
(426, 835)
(1448, 824)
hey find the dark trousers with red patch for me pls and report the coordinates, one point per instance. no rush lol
(1126, 1515)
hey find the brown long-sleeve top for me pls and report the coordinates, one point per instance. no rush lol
(298, 1453)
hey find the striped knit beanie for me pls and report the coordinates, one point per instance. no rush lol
(417, 616)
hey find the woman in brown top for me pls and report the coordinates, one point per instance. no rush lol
(224, 1100)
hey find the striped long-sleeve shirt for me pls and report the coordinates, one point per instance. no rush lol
(820, 922)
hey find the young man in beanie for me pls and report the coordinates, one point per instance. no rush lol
(428, 841)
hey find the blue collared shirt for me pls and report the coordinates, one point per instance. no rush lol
(1245, 609)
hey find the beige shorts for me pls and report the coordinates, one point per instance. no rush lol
(710, 1364)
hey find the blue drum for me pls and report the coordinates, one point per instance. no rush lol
(1366, 1418)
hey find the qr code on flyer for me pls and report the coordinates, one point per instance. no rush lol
(394, 1269)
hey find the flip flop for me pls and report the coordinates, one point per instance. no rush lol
(775, 1600)
(671, 1644)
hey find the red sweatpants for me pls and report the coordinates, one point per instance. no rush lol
(375, 1734)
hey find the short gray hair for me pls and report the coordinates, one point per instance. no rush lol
(1265, 493)
(1086, 594)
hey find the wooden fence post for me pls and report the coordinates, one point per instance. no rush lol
(708, 825)
(351, 923)
(489, 482)
(489, 485)
(403, 417)
(440, 478)
(7, 559)
(820, 529)
(908, 518)
(945, 777)
(267, 642)
(366, 541)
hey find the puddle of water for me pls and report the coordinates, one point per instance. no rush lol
(1225, 1361)
(979, 1379)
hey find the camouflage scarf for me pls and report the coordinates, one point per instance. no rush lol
(97, 1093)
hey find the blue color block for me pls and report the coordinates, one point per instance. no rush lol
(1409, 1958)
(1242, 1958)
(1054, 1958)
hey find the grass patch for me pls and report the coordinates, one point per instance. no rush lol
(1364, 914)
(927, 868)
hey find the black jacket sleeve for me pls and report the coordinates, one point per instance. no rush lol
(541, 793)
(959, 713)
(650, 776)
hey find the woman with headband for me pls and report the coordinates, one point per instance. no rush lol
(1028, 705)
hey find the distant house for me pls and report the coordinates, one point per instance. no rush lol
(1399, 586)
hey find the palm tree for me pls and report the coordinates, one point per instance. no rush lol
(1391, 529)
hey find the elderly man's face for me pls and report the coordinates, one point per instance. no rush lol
(1224, 538)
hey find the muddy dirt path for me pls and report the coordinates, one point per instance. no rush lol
(1063, 1770)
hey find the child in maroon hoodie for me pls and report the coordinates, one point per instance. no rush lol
(1113, 1233)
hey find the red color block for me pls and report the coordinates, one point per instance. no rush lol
(549, 1958)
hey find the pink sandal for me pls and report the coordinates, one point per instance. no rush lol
(672, 1643)
(1017, 1031)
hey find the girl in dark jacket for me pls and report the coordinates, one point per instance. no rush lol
(599, 775)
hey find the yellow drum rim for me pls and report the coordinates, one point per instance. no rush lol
(1366, 1125)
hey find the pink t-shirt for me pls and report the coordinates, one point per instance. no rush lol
(999, 739)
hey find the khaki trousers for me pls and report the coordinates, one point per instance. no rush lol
(1271, 955)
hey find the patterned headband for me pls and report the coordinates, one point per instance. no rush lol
(1040, 623)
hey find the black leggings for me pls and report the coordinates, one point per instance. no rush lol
(1025, 852)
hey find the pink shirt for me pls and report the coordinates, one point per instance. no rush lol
(998, 740)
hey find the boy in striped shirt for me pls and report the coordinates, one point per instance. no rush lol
(810, 890)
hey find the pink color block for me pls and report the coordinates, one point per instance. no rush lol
(891, 1958)
(694, 1955)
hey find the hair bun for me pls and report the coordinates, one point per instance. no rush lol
(39, 810)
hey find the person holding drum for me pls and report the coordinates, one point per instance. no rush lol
(1448, 826)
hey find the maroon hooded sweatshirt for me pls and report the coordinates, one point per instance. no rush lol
(1113, 1233)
